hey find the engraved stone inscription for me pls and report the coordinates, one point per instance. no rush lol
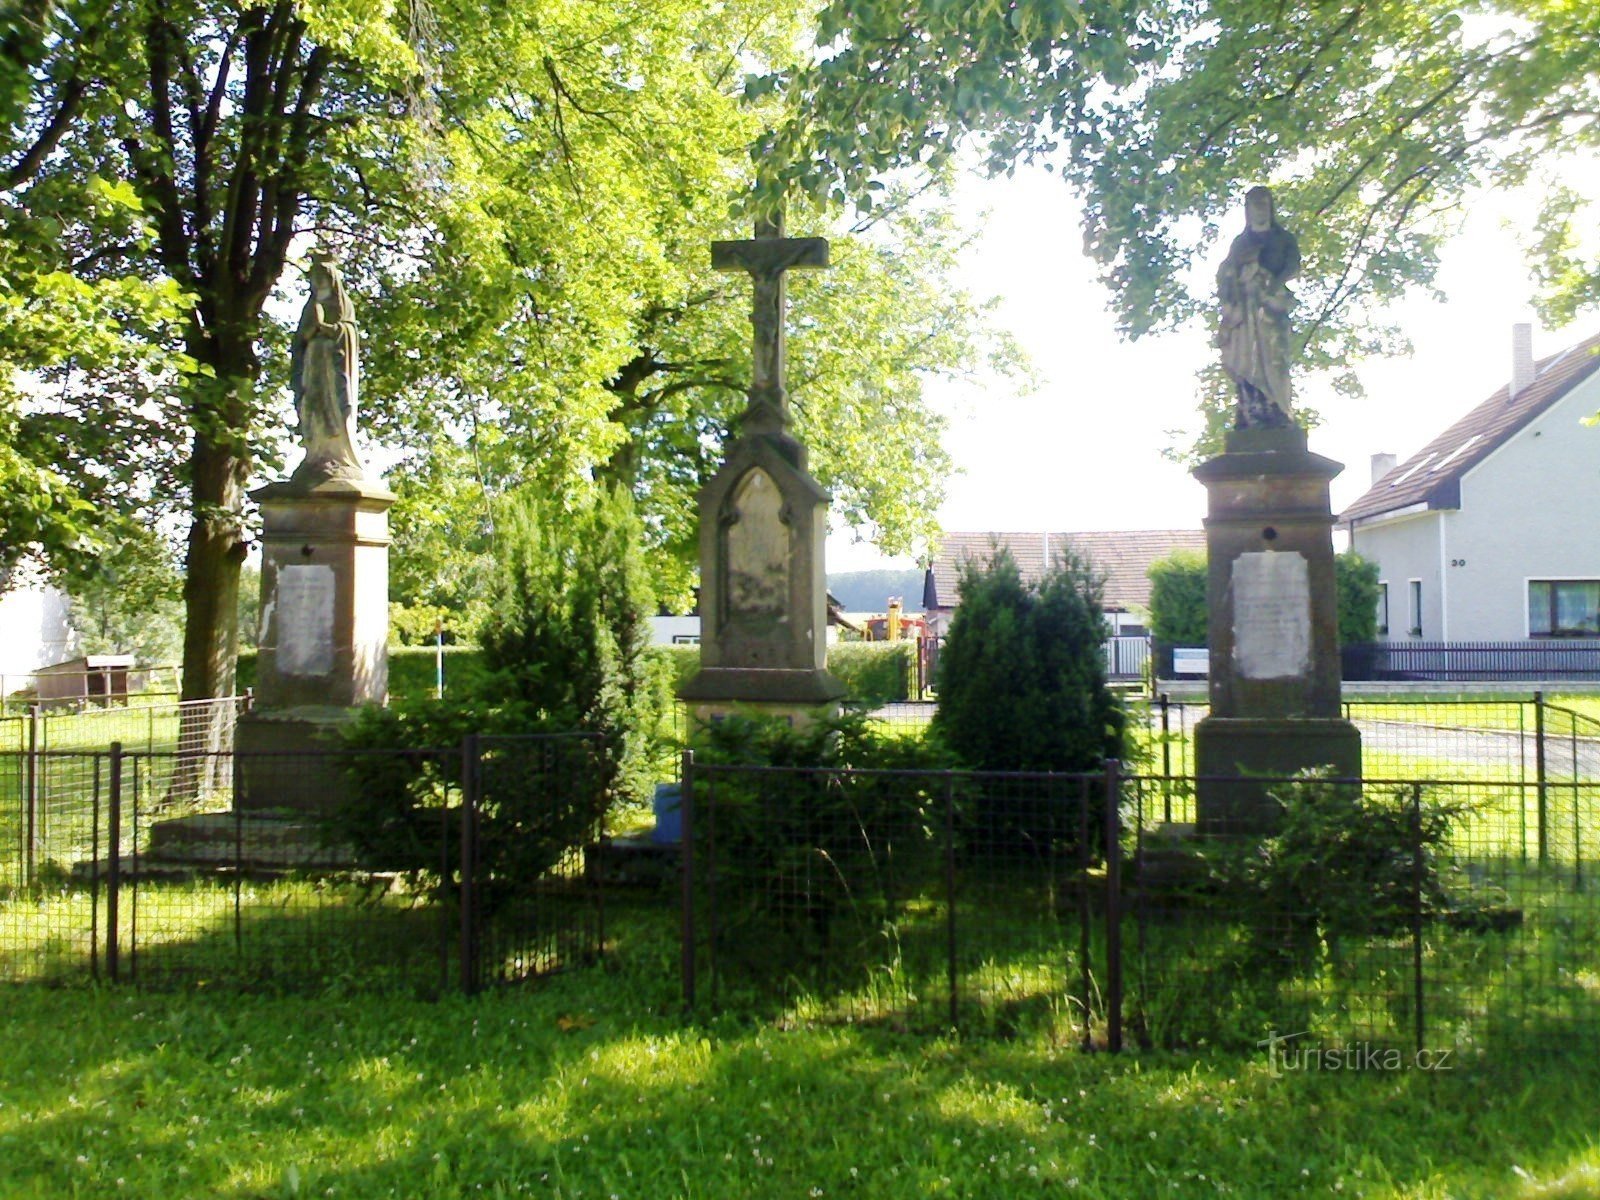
(757, 595)
(1271, 615)
(305, 620)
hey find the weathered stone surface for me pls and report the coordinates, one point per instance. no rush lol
(768, 257)
(245, 842)
(1271, 615)
(763, 610)
(1253, 324)
(324, 374)
(1273, 627)
(1236, 757)
(324, 595)
(763, 523)
(284, 761)
(1269, 496)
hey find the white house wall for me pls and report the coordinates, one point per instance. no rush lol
(1528, 511)
(667, 631)
(33, 631)
(1406, 549)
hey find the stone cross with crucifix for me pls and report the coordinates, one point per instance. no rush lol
(766, 257)
(763, 526)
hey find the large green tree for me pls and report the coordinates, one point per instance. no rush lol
(177, 151)
(522, 196)
(867, 336)
(564, 327)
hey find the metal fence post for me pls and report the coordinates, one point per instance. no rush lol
(686, 843)
(1417, 868)
(113, 861)
(469, 847)
(951, 972)
(1166, 759)
(94, 877)
(1522, 779)
(1541, 778)
(1085, 943)
(30, 798)
(1113, 907)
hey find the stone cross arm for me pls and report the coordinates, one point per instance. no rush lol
(766, 257)
(770, 257)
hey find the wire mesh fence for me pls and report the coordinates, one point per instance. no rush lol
(1414, 916)
(190, 726)
(535, 804)
(1428, 737)
(1453, 911)
(919, 899)
(1422, 916)
(416, 871)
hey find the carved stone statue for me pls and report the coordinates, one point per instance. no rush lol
(324, 376)
(1252, 286)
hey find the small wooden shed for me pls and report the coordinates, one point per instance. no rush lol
(97, 678)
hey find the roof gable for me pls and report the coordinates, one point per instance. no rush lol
(1122, 557)
(1432, 476)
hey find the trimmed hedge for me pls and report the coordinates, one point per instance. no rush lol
(875, 672)
(1178, 604)
(870, 671)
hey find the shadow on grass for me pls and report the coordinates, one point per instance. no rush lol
(575, 1089)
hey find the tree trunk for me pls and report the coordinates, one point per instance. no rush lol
(219, 469)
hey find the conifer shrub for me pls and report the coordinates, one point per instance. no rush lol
(567, 705)
(1022, 687)
(1022, 676)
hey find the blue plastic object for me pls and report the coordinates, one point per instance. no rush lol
(669, 817)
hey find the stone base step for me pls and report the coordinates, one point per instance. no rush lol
(245, 841)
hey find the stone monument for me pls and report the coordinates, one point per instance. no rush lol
(763, 522)
(1273, 632)
(324, 575)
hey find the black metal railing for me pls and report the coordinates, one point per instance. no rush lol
(1453, 912)
(1426, 923)
(1554, 658)
(433, 870)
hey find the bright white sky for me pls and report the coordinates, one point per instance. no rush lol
(1084, 451)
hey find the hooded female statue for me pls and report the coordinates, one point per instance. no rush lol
(323, 374)
(1252, 285)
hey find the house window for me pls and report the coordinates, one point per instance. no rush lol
(1415, 629)
(1383, 609)
(1563, 607)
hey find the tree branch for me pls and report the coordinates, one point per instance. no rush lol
(72, 93)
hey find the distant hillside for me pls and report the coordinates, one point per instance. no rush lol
(869, 591)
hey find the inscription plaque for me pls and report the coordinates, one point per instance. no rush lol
(757, 564)
(305, 620)
(1271, 615)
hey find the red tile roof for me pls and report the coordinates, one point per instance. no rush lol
(1123, 557)
(1432, 476)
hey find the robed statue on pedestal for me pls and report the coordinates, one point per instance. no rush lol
(324, 374)
(1253, 332)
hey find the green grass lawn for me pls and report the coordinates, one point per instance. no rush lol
(592, 1084)
(585, 1087)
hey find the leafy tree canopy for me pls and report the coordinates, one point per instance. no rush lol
(522, 197)
(1372, 120)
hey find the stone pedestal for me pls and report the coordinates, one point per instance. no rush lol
(1273, 632)
(763, 593)
(323, 639)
